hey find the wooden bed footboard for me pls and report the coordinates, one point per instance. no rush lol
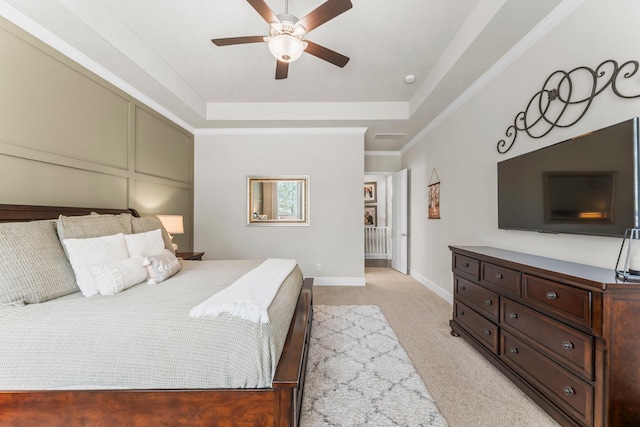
(278, 406)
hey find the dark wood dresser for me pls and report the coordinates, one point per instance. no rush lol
(567, 334)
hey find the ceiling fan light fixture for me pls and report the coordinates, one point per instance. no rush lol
(286, 48)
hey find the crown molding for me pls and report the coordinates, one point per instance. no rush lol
(281, 131)
(338, 111)
(382, 153)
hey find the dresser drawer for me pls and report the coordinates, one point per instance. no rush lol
(557, 299)
(569, 347)
(501, 279)
(482, 329)
(567, 390)
(466, 265)
(480, 299)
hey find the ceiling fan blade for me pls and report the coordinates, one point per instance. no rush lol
(282, 70)
(264, 10)
(323, 13)
(237, 40)
(327, 54)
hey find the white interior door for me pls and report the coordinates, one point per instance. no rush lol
(399, 232)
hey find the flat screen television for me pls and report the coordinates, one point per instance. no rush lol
(586, 185)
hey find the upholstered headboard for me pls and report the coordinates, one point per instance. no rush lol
(22, 213)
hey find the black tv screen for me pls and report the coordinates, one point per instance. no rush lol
(586, 185)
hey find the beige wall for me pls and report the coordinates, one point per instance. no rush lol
(376, 162)
(463, 147)
(68, 137)
(334, 237)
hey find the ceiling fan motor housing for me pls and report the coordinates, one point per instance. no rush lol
(287, 25)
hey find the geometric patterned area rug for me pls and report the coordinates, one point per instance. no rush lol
(358, 374)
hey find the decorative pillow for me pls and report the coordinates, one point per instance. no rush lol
(161, 267)
(144, 244)
(140, 225)
(33, 266)
(82, 227)
(84, 252)
(118, 276)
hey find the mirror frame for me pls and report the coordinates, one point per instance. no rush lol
(304, 221)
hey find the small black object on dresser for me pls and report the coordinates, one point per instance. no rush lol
(567, 334)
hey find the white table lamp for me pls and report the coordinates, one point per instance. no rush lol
(174, 225)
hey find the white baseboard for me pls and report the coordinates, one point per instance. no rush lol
(438, 290)
(338, 281)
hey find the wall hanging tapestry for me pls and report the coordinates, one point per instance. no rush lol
(434, 196)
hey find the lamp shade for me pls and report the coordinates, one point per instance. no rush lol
(172, 223)
(286, 48)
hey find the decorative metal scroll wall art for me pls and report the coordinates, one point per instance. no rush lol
(565, 98)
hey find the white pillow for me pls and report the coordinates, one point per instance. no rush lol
(84, 252)
(161, 267)
(144, 244)
(118, 276)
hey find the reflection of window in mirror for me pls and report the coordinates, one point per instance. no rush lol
(278, 200)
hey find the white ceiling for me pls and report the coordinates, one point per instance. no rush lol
(161, 50)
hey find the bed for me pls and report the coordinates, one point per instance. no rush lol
(161, 392)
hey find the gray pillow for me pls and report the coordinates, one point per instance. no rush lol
(33, 267)
(142, 225)
(94, 225)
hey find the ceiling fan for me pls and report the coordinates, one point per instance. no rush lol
(286, 34)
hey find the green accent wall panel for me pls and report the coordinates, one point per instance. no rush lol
(70, 138)
(49, 106)
(29, 182)
(162, 149)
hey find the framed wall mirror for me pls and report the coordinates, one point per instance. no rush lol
(277, 200)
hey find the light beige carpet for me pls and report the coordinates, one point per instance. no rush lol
(467, 389)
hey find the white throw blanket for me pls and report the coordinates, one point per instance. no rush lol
(250, 296)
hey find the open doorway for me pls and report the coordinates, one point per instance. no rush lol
(385, 224)
(378, 218)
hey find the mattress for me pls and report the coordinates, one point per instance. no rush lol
(144, 338)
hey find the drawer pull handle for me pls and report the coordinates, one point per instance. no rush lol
(513, 350)
(498, 276)
(513, 316)
(567, 345)
(488, 302)
(551, 295)
(466, 264)
(568, 390)
(487, 332)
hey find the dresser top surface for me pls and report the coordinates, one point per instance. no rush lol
(601, 278)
